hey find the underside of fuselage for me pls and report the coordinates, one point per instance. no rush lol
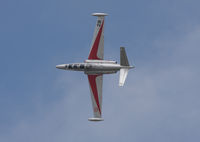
(93, 67)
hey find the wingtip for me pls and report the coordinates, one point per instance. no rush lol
(95, 119)
(99, 14)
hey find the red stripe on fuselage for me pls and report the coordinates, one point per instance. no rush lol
(94, 50)
(93, 85)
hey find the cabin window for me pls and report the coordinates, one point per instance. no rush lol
(70, 67)
(81, 66)
(75, 66)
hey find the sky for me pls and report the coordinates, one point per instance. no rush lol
(160, 99)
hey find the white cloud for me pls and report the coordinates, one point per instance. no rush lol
(156, 104)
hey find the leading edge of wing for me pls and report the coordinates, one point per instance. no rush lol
(96, 82)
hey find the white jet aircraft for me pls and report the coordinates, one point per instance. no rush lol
(95, 66)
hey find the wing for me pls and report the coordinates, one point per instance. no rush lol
(97, 45)
(96, 82)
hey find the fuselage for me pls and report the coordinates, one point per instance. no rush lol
(93, 67)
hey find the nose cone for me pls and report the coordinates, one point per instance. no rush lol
(60, 66)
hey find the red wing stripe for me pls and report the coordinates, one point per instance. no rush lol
(92, 80)
(93, 53)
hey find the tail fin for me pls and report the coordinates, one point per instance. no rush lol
(123, 57)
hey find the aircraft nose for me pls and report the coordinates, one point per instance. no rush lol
(60, 66)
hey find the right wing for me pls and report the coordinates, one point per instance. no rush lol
(97, 45)
(96, 82)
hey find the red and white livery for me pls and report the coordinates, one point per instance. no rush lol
(95, 66)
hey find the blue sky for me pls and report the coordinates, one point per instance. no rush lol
(160, 100)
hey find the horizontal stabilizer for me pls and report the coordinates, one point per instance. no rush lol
(122, 76)
(123, 57)
(95, 119)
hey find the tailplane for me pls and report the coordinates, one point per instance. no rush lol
(123, 57)
(124, 66)
(122, 76)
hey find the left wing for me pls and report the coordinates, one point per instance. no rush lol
(96, 82)
(97, 45)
